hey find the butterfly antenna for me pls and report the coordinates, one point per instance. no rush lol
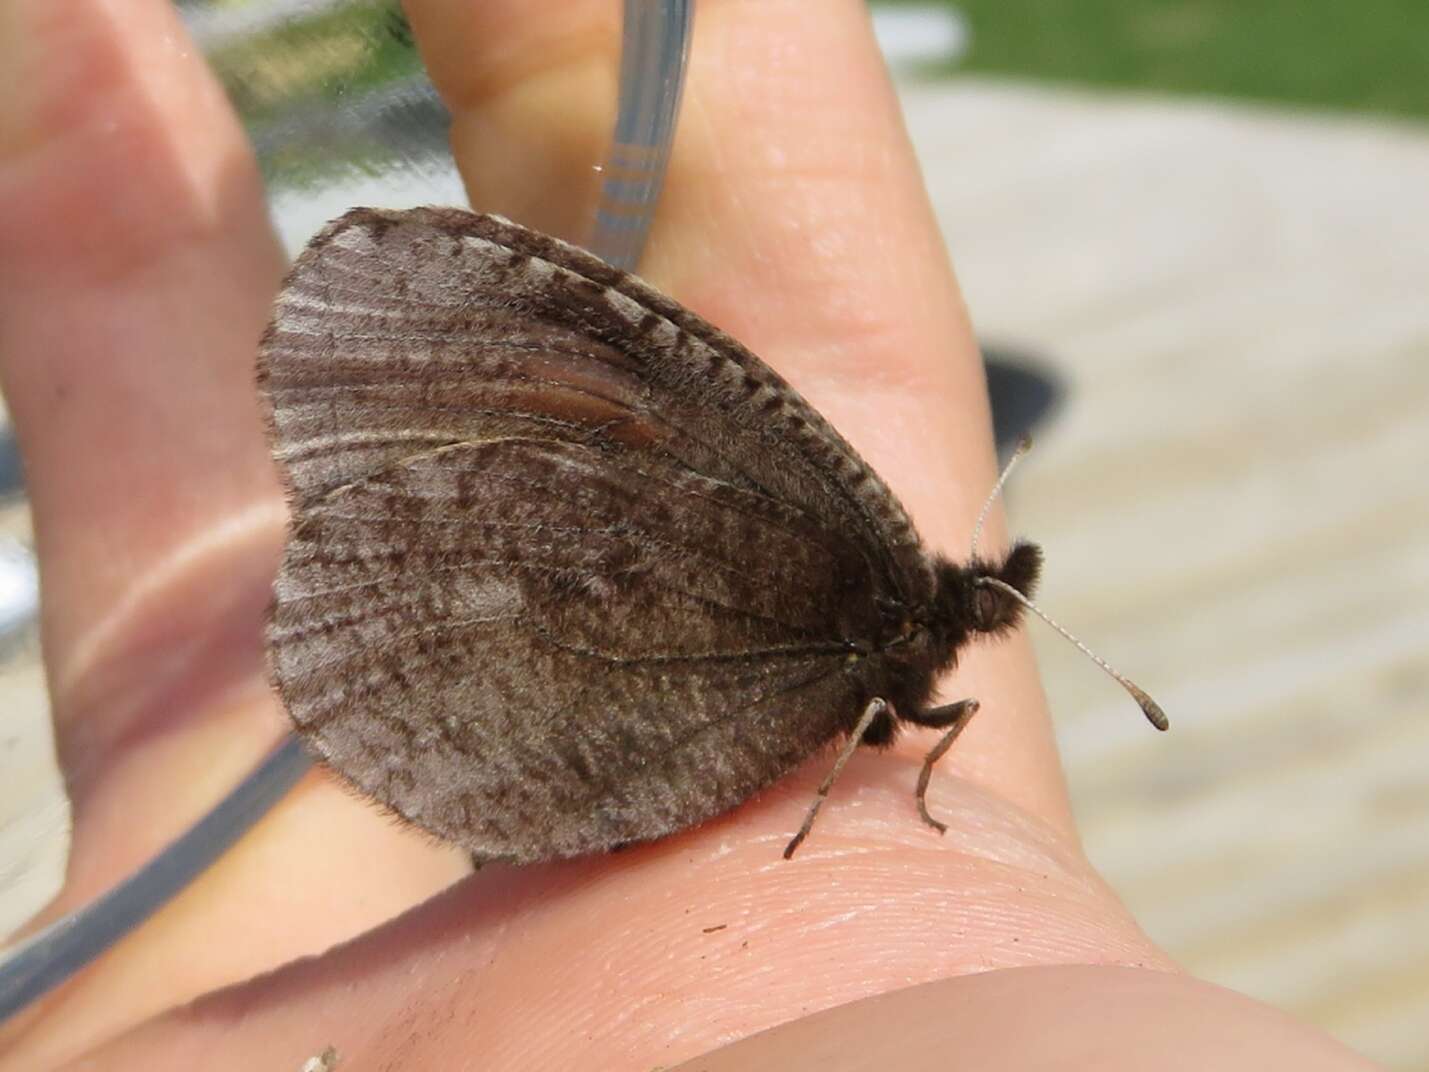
(1023, 446)
(1149, 707)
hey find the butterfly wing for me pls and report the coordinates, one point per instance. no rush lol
(569, 568)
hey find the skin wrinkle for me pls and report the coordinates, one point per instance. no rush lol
(79, 365)
(252, 527)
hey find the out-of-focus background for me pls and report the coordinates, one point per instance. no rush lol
(1194, 237)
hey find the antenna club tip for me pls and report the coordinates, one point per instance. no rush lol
(1156, 716)
(1149, 707)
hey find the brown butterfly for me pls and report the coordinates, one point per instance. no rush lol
(569, 567)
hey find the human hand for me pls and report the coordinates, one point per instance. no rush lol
(138, 272)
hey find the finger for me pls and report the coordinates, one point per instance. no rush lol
(138, 267)
(795, 218)
(136, 273)
(1086, 1019)
(664, 952)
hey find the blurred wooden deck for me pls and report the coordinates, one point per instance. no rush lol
(1235, 506)
(1235, 509)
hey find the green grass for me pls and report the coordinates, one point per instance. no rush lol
(1366, 55)
(307, 65)
(336, 53)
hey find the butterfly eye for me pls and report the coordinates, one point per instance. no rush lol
(985, 604)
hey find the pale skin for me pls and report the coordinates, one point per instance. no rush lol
(136, 274)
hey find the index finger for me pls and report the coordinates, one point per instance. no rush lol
(796, 219)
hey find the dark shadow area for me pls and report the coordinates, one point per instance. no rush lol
(12, 477)
(1024, 393)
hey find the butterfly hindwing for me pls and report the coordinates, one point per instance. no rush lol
(569, 567)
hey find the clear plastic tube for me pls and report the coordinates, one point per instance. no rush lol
(654, 55)
(67, 945)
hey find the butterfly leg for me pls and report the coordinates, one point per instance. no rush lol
(875, 708)
(953, 718)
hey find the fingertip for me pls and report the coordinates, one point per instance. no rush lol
(138, 271)
(116, 141)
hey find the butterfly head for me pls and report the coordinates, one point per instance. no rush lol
(977, 597)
